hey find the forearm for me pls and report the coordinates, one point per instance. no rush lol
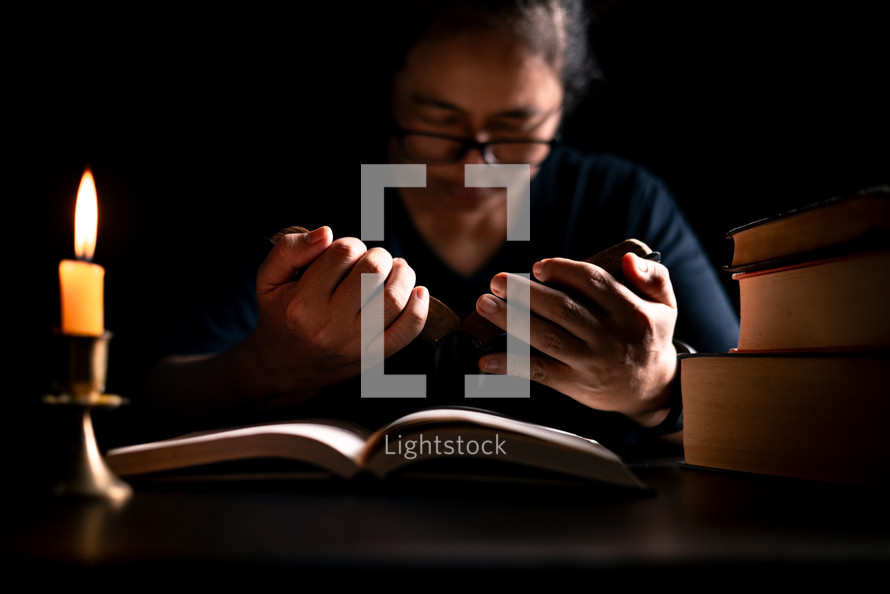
(214, 383)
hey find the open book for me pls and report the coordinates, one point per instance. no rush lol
(468, 442)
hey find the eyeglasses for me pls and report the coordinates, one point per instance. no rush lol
(438, 149)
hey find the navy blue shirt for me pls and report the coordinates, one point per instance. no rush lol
(581, 204)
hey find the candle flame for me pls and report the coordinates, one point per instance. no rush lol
(86, 218)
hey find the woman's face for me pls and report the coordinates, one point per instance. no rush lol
(483, 87)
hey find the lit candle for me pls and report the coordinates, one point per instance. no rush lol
(81, 281)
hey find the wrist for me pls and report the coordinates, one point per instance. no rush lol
(654, 397)
(672, 417)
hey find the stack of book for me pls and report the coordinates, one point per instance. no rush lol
(805, 394)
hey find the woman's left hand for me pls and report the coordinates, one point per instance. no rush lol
(598, 341)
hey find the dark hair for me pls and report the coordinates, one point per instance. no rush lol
(557, 29)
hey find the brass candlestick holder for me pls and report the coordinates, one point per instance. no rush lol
(80, 388)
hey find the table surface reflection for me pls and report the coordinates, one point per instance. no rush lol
(692, 522)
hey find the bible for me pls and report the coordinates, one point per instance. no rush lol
(437, 443)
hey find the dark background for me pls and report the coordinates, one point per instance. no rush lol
(201, 130)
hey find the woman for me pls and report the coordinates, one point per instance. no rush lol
(485, 83)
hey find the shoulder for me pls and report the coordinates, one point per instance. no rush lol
(605, 190)
(583, 202)
(570, 173)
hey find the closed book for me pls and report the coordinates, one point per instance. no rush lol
(831, 304)
(846, 223)
(814, 416)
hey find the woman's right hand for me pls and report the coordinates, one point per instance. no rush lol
(309, 299)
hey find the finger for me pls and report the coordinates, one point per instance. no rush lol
(329, 270)
(292, 253)
(348, 296)
(557, 307)
(548, 372)
(407, 326)
(544, 335)
(542, 370)
(651, 279)
(391, 295)
(409, 323)
(397, 291)
(502, 364)
(588, 281)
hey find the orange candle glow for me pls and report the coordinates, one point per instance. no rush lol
(81, 281)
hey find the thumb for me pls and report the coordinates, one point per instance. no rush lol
(650, 279)
(292, 253)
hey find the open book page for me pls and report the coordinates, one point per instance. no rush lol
(329, 445)
(470, 433)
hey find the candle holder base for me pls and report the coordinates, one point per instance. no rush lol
(83, 363)
(85, 473)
